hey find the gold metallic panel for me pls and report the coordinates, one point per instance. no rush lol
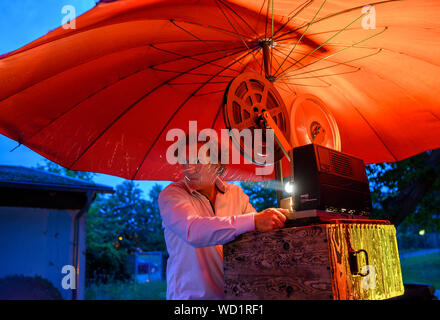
(375, 242)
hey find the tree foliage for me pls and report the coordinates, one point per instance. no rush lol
(55, 168)
(118, 225)
(408, 192)
(128, 221)
(261, 194)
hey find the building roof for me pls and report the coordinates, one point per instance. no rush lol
(30, 178)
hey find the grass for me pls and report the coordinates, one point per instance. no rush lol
(422, 269)
(418, 269)
(127, 291)
(404, 251)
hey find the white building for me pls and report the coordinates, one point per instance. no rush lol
(42, 227)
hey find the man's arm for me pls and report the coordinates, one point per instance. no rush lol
(180, 217)
(266, 220)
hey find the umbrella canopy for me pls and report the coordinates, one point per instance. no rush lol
(103, 96)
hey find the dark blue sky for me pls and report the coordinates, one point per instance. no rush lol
(22, 21)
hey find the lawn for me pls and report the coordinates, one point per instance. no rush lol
(127, 291)
(417, 269)
(422, 269)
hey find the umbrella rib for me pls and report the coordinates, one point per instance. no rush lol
(216, 115)
(259, 14)
(193, 73)
(391, 51)
(334, 53)
(311, 85)
(327, 84)
(131, 107)
(187, 83)
(123, 78)
(322, 44)
(240, 17)
(434, 115)
(193, 35)
(326, 75)
(244, 42)
(267, 20)
(77, 31)
(370, 125)
(336, 62)
(88, 61)
(334, 65)
(174, 114)
(307, 3)
(213, 40)
(377, 135)
(211, 27)
(192, 57)
(206, 93)
(333, 15)
(271, 37)
(282, 81)
(336, 30)
(402, 89)
(300, 38)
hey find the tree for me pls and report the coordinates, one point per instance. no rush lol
(119, 226)
(262, 194)
(408, 192)
(56, 168)
(130, 222)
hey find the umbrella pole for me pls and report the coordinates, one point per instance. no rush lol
(279, 186)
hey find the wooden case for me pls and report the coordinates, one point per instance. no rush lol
(313, 262)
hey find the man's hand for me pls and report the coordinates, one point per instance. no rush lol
(270, 219)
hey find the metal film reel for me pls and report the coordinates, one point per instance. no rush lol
(246, 98)
(313, 123)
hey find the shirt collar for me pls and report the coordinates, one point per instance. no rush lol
(219, 184)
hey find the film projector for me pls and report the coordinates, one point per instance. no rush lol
(329, 247)
(325, 179)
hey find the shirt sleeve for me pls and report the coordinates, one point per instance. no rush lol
(246, 205)
(179, 216)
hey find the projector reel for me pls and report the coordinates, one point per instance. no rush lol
(313, 123)
(246, 98)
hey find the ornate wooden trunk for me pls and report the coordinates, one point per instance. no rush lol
(340, 260)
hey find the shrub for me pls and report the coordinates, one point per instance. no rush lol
(19, 287)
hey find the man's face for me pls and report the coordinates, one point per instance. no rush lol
(201, 174)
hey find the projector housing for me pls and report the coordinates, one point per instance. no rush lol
(326, 179)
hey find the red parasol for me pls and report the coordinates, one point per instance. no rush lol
(102, 97)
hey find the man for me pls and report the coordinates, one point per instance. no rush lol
(200, 214)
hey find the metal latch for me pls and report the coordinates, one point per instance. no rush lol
(354, 263)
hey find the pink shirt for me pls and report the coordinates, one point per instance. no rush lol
(194, 234)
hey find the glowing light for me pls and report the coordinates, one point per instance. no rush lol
(289, 187)
(422, 232)
(120, 238)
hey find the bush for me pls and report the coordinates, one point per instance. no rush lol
(127, 290)
(19, 287)
(413, 241)
(104, 264)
